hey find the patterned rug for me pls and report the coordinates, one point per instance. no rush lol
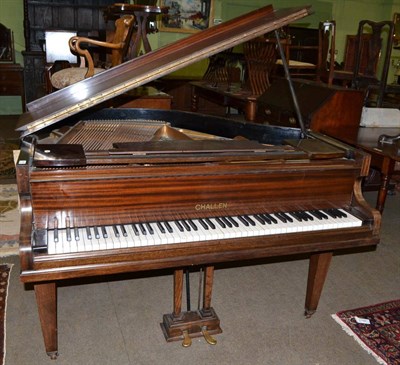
(7, 166)
(5, 271)
(376, 328)
(9, 220)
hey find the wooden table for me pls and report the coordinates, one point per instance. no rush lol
(382, 159)
(141, 13)
(227, 95)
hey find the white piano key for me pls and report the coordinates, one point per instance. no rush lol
(123, 236)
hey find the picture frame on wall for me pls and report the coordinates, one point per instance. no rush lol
(7, 52)
(186, 16)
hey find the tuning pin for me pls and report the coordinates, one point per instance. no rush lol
(209, 339)
(187, 341)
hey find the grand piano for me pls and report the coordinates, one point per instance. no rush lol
(109, 191)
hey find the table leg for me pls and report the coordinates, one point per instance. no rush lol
(387, 169)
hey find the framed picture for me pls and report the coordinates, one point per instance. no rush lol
(396, 38)
(187, 16)
(6, 45)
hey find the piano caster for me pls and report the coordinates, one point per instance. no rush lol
(53, 355)
(209, 339)
(187, 341)
(309, 312)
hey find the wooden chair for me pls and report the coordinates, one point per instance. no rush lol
(119, 49)
(317, 53)
(301, 55)
(373, 46)
(260, 59)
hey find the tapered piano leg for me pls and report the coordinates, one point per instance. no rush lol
(46, 298)
(184, 325)
(317, 271)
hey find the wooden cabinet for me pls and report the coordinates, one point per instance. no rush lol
(83, 16)
(12, 81)
(331, 110)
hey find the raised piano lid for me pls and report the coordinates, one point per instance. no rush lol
(153, 65)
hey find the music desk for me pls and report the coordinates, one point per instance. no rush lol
(227, 95)
(382, 159)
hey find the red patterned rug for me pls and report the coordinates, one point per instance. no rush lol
(5, 270)
(376, 328)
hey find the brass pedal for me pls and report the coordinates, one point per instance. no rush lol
(187, 341)
(209, 339)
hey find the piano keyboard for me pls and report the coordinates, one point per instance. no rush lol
(70, 240)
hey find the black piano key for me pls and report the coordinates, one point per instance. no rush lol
(55, 234)
(104, 232)
(226, 221)
(193, 225)
(68, 231)
(168, 226)
(123, 230)
(243, 221)
(270, 217)
(115, 230)
(317, 214)
(341, 213)
(149, 228)
(142, 229)
(302, 216)
(266, 218)
(287, 216)
(280, 217)
(203, 224)
(88, 233)
(135, 229)
(310, 216)
(296, 216)
(76, 234)
(248, 219)
(233, 221)
(96, 232)
(185, 225)
(161, 227)
(210, 224)
(180, 227)
(259, 219)
(220, 222)
(331, 213)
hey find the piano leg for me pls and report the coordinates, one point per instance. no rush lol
(317, 271)
(46, 298)
(181, 325)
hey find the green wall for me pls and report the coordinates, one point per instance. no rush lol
(347, 14)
